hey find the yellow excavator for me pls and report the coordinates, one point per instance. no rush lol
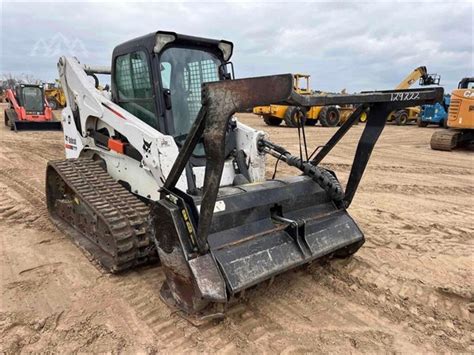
(406, 115)
(274, 115)
(460, 122)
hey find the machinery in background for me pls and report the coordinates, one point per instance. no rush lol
(55, 96)
(411, 114)
(160, 168)
(274, 114)
(28, 109)
(460, 122)
(436, 114)
(346, 110)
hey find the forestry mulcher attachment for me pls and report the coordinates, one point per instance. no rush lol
(160, 168)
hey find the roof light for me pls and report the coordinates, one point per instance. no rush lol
(226, 48)
(162, 39)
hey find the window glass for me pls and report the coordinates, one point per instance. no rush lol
(135, 90)
(183, 70)
(124, 77)
(32, 99)
(165, 75)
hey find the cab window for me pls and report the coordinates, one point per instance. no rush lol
(134, 86)
(183, 70)
(32, 99)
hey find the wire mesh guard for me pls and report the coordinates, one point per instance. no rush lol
(197, 73)
(133, 79)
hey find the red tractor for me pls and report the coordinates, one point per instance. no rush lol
(28, 109)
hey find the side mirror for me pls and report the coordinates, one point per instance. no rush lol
(227, 71)
(167, 98)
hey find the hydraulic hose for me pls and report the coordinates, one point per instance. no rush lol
(321, 176)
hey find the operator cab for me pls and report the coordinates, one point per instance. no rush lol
(158, 77)
(466, 83)
(31, 97)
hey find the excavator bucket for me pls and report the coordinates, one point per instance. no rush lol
(219, 243)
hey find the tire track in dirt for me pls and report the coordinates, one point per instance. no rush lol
(430, 312)
(419, 235)
(422, 170)
(49, 334)
(16, 179)
(450, 301)
(301, 307)
(417, 189)
(12, 211)
(239, 329)
(31, 206)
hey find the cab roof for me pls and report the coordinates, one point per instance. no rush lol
(148, 42)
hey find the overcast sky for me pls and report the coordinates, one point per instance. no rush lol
(353, 45)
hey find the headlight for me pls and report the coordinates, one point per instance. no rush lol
(162, 39)
(226, 48)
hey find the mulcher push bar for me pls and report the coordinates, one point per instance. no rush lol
(224, 98)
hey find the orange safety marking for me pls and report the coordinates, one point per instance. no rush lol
(116, 145)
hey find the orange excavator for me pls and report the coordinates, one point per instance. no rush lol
(460, 122)
(28, 109)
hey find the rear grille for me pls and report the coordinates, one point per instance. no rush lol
(454, 108)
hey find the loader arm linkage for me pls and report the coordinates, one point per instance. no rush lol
(222, 99)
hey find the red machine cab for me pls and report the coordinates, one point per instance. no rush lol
(28, 109)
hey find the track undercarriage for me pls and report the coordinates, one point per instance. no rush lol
(99, 214)
(450, 139)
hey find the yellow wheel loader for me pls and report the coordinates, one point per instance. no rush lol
(159, 168)
(346, 111)
(55, 96)
(293, 116)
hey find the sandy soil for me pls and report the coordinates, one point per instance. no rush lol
(409, 289)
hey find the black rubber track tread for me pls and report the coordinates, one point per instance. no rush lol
(126, 217)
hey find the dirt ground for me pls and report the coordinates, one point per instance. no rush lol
(409, 289)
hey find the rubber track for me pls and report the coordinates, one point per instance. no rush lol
(124, 214)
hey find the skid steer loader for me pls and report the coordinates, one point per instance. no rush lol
(160, 168)
(28, 109)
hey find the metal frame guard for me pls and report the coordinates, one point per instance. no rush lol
(220, 100)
